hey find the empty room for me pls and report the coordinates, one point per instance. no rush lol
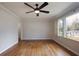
(39, 28)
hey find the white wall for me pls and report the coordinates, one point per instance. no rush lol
(8, 29)
(36, 29)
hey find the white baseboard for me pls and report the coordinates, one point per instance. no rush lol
(9, 47)
(36, 39)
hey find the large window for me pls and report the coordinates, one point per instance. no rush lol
(69, 27)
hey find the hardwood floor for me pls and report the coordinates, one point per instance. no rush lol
(36, 48)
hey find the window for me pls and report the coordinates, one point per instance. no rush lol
(69, 27)
(72, 24)
(60, 27)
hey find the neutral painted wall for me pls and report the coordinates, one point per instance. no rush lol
(36, 29)
(8, 29)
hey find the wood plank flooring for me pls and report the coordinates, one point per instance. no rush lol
(36, 48)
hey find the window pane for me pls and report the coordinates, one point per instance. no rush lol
(72, 24)
(60, 27)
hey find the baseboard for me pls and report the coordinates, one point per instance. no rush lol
(8, 47)
(37, 39)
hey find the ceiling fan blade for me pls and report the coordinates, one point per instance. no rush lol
(43, 5)
(37, 14)
(44, 11)
(30, 12)
(29, 5)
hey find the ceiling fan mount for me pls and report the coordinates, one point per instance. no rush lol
(36, 5)
(38, 9)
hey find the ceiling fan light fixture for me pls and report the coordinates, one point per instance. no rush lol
(38, 8)
(36, 11)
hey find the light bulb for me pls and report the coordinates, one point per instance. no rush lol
(36, 11)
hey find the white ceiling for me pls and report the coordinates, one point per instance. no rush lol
(55, 8)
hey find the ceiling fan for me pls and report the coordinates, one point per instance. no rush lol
(38, 9)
